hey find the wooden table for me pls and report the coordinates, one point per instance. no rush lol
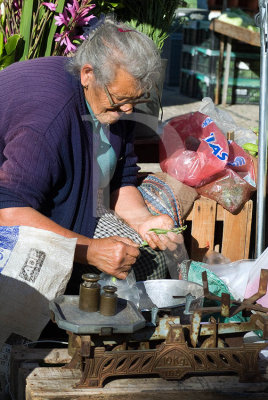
(230, 32)
(36, 375)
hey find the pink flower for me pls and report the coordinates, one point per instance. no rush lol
(73, 8)
(51, 6)
(71, 19)
(62, 18)
(77, 15)
(64, 40)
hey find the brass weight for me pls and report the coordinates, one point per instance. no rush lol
(89, 295)
(108, 301)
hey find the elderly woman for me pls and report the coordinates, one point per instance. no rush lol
(65, 148)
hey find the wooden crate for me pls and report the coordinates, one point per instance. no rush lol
(52, 382)
(24, 360)
(208, 218)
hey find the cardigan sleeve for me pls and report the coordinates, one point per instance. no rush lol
(29, 170)
(126, 169)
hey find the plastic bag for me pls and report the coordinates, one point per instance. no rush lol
(35, 266)
(195, 152)
(254, 278)
(126, 288)
(214, 257)
(192, 149)
(226, 123)
(219, 283)
(234, 275)
(228, 189)
(234, 185)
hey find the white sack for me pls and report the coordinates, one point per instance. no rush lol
(35, 266)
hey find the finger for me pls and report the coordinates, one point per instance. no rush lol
(123, 275)
(124, 271)
(129, 260)
(155, 241)
(176, 237)
(127, 241)
(124, 248)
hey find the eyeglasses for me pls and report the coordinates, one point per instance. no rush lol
(145, 98)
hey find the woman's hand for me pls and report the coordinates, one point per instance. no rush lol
(114, 255)
(168, 241)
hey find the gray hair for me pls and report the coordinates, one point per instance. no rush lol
(111, 44)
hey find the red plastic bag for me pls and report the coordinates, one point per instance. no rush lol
(196, 152)
(193, 149)
(232, 187)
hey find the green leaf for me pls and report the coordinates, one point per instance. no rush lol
(11, 44)
(1, 43)
(53, 29)
(26, 25)
(6, 61)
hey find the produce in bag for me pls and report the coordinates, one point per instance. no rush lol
(193, 149)
(228, 189)
(232, 187)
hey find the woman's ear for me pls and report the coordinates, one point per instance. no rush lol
(86, 75)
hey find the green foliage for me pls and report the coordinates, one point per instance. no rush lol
(52, 30)
(152, 17)
(30, 26)
(8, 50)
(26, 25)
(106, 7)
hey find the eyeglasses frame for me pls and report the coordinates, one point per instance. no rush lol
(122, 103)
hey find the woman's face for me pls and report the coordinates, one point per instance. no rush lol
(103, 101)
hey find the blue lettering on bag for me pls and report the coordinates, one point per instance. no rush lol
(217, 149)
(238, 161)
(206, 122)
(8, 238)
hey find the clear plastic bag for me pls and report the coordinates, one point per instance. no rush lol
(126, 288)
(228, 189)
(226, 123)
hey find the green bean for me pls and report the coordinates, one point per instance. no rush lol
(164, 232)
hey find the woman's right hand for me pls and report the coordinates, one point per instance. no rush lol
(114, 255)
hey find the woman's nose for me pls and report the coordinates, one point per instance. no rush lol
(127, 108)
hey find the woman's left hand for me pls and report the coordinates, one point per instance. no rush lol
(163, 241)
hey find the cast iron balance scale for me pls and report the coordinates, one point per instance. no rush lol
(111, 337)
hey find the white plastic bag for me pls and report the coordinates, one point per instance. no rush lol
(35, 266)
(235, 275)
(254, 278)
(225, 122)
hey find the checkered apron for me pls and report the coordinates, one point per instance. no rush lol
(151, 264)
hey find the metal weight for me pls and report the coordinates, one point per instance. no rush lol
(108, 300)
(89, 296)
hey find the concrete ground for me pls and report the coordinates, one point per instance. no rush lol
(174, 104)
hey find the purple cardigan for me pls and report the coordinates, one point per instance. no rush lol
(47, 146)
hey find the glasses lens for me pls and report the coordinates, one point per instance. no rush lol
(142, 99)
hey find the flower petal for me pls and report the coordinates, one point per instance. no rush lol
(51, 6)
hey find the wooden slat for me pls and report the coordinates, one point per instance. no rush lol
(24, 359)
(236, 229)
(236, 32)
(203, 227)
(236, 233)
(58, 384)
